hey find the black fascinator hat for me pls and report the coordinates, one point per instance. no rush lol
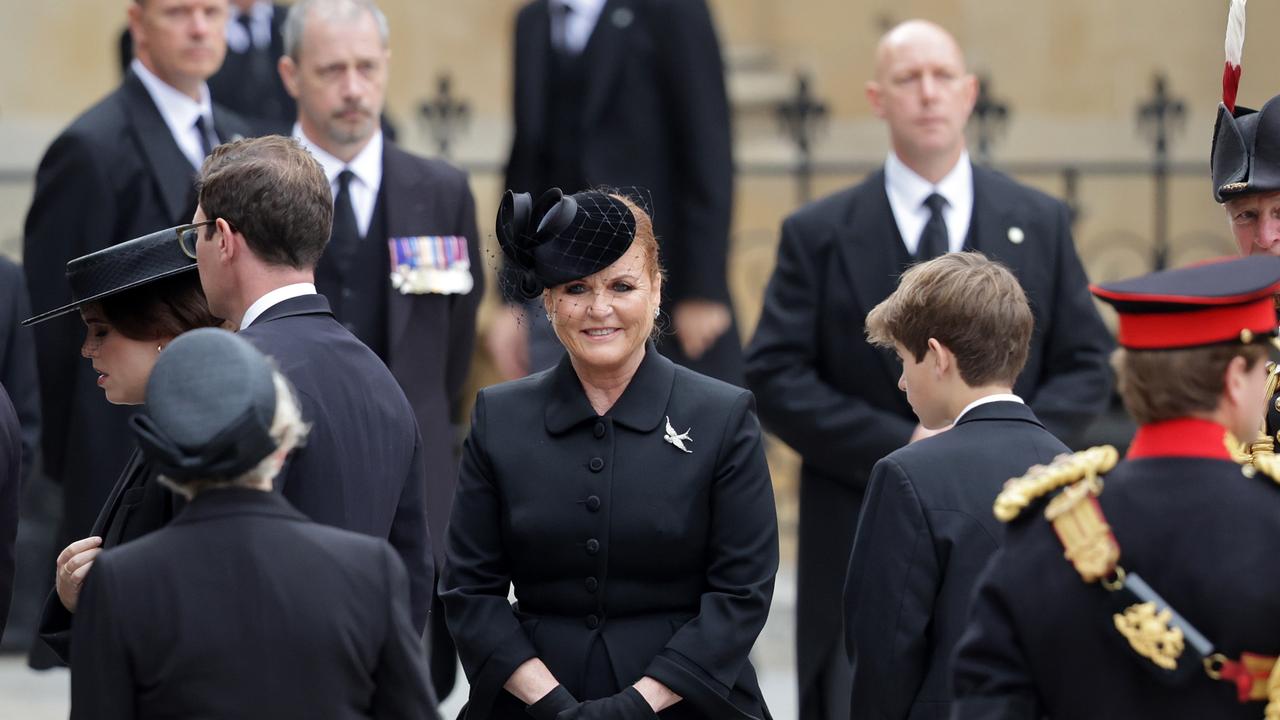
(562, 237)
(211, 400)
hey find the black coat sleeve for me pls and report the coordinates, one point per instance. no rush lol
(18, 363)
(69, 207)
(703, 659)
(102, 683)
(1075, 383)
(10, 494)
(701, 153)
(411, 538)
(476, 577)
(400, 687)
(991, 675)
(462, 308)
(834, 431)
(889, 594)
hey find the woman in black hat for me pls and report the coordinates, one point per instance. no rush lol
(134, 298)
(626, 498)
(240, 607)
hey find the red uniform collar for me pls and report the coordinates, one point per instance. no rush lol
(1181, 437)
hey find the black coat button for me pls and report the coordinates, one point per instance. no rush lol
(593, 503)
(593, 546)
(596, 464)
(592, 584)
(599, 430)
(593, 622)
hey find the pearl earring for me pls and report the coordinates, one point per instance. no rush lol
(656, 312)
(159, 348)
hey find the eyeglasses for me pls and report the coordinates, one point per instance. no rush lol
(188, 235)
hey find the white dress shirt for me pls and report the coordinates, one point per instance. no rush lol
(259, 22)
(179, 112)
(996, 397)
(367, 168)
(578, 24)
(907, 192)
(273, 298)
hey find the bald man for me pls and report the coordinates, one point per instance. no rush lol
(825, 391)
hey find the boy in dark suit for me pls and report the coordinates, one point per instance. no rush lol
(960, 326)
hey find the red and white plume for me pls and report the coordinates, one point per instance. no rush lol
(1235, 48)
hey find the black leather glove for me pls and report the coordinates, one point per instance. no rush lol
(626, 705)
(552, 704)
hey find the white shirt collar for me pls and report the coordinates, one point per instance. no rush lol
(996, 397)
(366, 166)
(273, 298)
(907, 191)
(179, 110)
(581, 21)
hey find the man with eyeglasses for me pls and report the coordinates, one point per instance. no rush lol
(121, 170)
(260, 226)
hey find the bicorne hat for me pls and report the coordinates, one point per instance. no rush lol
(562, 237)
(211, 399)
(1214, 303)
(122, 267)
(1245, 156)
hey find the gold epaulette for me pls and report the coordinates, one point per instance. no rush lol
(1041, 480)
(1267, 464)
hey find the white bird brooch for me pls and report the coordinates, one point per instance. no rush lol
(677, 440)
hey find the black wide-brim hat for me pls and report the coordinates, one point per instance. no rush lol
(561, 237)
(121, 267)
(211, 400)
(1246, 151)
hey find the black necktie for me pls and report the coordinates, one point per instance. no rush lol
(346, 234)
(246, 22)
(934, 241)
(206, 137)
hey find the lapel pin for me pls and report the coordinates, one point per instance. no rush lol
(622, 17)
(677, 440)
(1016, 236)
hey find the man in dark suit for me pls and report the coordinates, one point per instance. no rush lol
(628, 93)
(10, 494)
(960, 325)
(121, 170)
(266, 211)
(240, 606)
(420, 318)
(829, 394)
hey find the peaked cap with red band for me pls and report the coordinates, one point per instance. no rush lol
(1213, 303)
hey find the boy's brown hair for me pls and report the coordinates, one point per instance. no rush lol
(1160, 385)
(970, 304)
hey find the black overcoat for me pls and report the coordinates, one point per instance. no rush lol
(654, 115)
(362, 467)
(825, 391)
(243, 608)
(10, 494)
(18, 359)
(925, 533)
(114, 174)
(1042, 643)
(612, 535)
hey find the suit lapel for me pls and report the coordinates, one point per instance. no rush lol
(994, 224)
(407, 204)
(170, 169)
(872, 252)
(604, 52)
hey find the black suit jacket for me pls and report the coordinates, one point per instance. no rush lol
(114, 174)
(243, 608)
(10, 494)
(612, 535)
(253, 89)
(18, 359)
(1042, 643)
(654, 115)
(431, 336)
(362, 467)
(925, 533)
(825, 391)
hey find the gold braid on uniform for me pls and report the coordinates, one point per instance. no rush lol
(1264, 445)
(1268, 464)
(1041, 480)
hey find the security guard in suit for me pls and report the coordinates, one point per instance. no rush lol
(1144, 593)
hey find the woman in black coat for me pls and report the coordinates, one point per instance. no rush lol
(626, 498)
(134, 298)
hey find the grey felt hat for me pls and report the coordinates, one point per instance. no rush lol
(210, 403)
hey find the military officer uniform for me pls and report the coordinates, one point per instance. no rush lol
(1163, 605)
